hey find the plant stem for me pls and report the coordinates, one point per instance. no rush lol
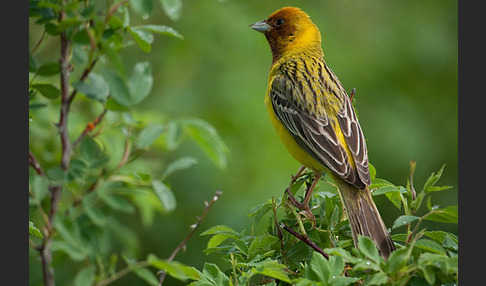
(194, 227)
(122, 273)
(304, 239)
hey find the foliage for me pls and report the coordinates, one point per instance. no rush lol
(423, 257)
(80, 189)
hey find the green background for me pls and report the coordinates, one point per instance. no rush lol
(401, 56)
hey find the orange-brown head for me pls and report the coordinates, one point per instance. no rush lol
(289, 30)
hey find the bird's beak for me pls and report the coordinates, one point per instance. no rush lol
(261, 26)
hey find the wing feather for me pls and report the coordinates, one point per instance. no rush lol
(314, 132)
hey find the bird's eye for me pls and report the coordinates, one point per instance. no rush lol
(279, 21)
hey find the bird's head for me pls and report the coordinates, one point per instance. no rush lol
(289, 29)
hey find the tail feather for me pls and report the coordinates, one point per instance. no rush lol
(364, 217)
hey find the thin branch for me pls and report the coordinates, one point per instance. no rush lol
(412, 171)
(304, 239)
(113, 9)
(194, 227)
(38, 42)
(84, 75)
(353, 92)
(126, 154)
(35, 164)
(89, 127)
(122, 273)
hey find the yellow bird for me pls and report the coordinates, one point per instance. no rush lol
(315, 119)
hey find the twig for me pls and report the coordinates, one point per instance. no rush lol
(84, 75)
(304, 239)
(122, 273)
(89, 127)
(412, 171)
(126, 154)
(38, 42)
(113, 9)
(194, 227)
(353, 92)
(35, 164)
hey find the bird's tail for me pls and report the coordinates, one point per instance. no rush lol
(364, 217)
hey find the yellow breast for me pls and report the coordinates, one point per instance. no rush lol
(292, 146)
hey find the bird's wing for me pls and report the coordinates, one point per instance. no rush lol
(314, 131)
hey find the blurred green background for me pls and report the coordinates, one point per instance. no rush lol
(401, 56)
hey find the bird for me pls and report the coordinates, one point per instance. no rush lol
(314, 117)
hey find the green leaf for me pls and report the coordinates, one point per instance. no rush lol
(47, 90)
(347, 257)
(433, 179)
(218, 229)
(162, 30)
(273, 269)
(77, 169)
(404, 220)
(143, 38)
(172, 136)
(49, 69)
(143, 273)
(446, 239)
(93, 212)
(261, 210)
(107, 194)
(148, 135)
(372, 172)
(118, 88)
(208, 139)
(379, 183)
(92, 153)
(142, 7)
(429, 274)
(172, 8)
(320, 267)
(94, 87)
(74, 253)
(174, 268)
(85, 277)
(430, 246)
(212, 276)
(217, 239)
(34, 231)
(140, 83)
(447, 215)
(368, 248)
(165, 195)
(261, 244)
(178, 165)
(379, 278)
(397, 260)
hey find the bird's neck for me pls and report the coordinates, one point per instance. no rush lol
(314, 51)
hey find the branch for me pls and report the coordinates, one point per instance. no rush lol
(304, 239)
(35, 164)
(84, 75)
(89, 127)
(193, 230)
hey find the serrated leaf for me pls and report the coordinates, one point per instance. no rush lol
(85, 277)
(94, 87)
(397, 260)
(140, 82)
(368, 248)
(404, 220)
(47, 90)
(143, 38)
(148, 135)
(433, 179)
(320, 267)
(379, 278)
(33, 230)
(165, 195)
(172, 8)
(162, 30)
(208, 140)
(178, 165)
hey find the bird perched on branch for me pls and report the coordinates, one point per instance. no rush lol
(315, 119)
